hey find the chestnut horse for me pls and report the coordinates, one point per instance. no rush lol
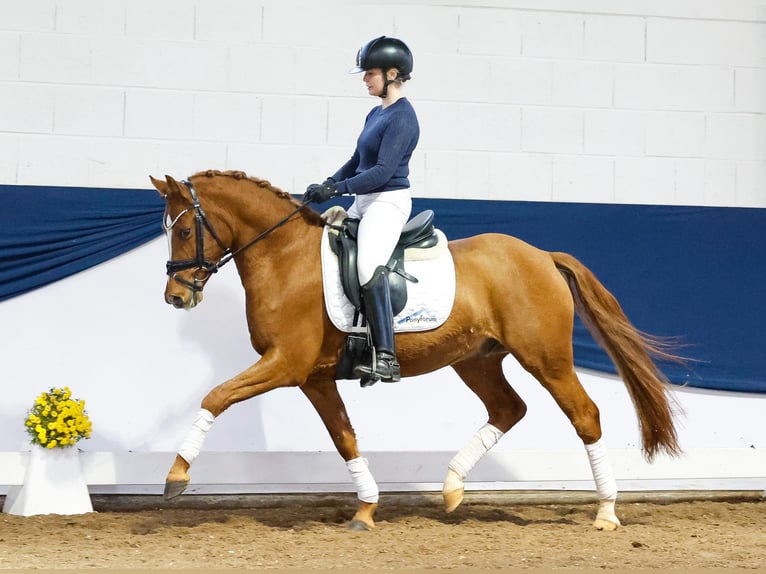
(510, 298)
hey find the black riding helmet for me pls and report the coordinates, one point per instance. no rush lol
(385, 53)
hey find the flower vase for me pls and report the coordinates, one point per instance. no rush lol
(53, 484)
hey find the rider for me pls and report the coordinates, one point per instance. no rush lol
(377, 175)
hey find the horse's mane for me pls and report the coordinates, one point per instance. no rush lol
(309, 215)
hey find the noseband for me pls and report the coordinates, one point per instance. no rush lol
(200, 263)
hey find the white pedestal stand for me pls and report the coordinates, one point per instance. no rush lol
(53, 484)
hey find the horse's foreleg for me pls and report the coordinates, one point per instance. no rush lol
(323, 394)
(178, 477)
(267, 374)
(484, 376)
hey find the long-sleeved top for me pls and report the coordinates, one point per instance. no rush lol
(383, 150)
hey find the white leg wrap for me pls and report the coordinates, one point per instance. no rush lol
(606, 486)
(192, 444)
(366, 487)
(484, 439)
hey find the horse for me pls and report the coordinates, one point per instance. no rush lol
(510, 298)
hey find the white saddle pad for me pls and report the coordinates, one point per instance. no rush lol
(429, 301)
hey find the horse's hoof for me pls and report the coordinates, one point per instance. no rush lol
(174, 488)
(453, 499)
(358, 525)
(606, 519)
(607, 525)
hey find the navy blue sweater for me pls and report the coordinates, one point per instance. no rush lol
(383, 150)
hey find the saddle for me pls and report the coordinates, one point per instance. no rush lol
(418, 233)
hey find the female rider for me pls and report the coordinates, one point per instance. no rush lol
(377, 175)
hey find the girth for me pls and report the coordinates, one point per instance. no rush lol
(418, 233)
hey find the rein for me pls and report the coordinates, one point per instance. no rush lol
(199, 263)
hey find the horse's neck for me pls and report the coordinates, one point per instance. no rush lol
(283, 246)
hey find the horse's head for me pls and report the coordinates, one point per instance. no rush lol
(196, 250)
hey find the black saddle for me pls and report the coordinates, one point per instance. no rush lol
(418, 233)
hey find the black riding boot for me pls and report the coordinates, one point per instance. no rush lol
(377, 309)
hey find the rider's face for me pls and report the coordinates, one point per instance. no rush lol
(373, 79)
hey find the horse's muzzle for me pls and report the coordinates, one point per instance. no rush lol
(175, 300)
(186, 299)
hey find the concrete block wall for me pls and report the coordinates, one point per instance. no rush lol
(582, 101)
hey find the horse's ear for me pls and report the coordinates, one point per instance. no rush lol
(172, 184)
(161, 186)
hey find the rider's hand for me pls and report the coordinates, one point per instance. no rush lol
(319, 193)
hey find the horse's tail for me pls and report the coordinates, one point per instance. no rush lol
(630, 350)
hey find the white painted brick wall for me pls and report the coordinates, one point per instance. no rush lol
(531, 100)
(27, 108)
(9, 55)
(39, 15)
(89, 111)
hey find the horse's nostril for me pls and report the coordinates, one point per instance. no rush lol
(174, 300)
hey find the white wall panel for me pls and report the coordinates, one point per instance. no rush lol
(57, 58)
(552, 130)
(644, 179)
(155, 114)
(614, 38)
(488, 128)
(48, 160)
(37, 16)
(27, 108)
(527, 177)
(672, 87)
(9, 157)
(89, 111)
(740, 136)
(261, 69)
(167, 20)
(614, 132)
(675, 134)
(90, 17)
(749, 90)
(701, 181)
(516, 81)
(624, 67)
(228, 21)
(751, 183)
(706, 42)
(9, 55)
(229, 117)
(576, 177)
(553, 35)
(583, 84)
(490, 32)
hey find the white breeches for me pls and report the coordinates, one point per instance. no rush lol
(382, 217)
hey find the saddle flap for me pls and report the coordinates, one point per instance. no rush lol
(418, 232)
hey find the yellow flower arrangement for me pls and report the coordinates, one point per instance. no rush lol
(57, 420)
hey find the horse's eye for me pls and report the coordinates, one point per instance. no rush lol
(186, 233)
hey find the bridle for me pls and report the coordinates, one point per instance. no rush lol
(199, 263)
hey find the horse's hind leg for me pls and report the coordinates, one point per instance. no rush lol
(484, 376)
(565, 387)
(323, 394)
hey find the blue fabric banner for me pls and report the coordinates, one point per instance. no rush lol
(693, 273)
(48, 233)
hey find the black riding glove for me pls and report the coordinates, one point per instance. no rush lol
(321, 192)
